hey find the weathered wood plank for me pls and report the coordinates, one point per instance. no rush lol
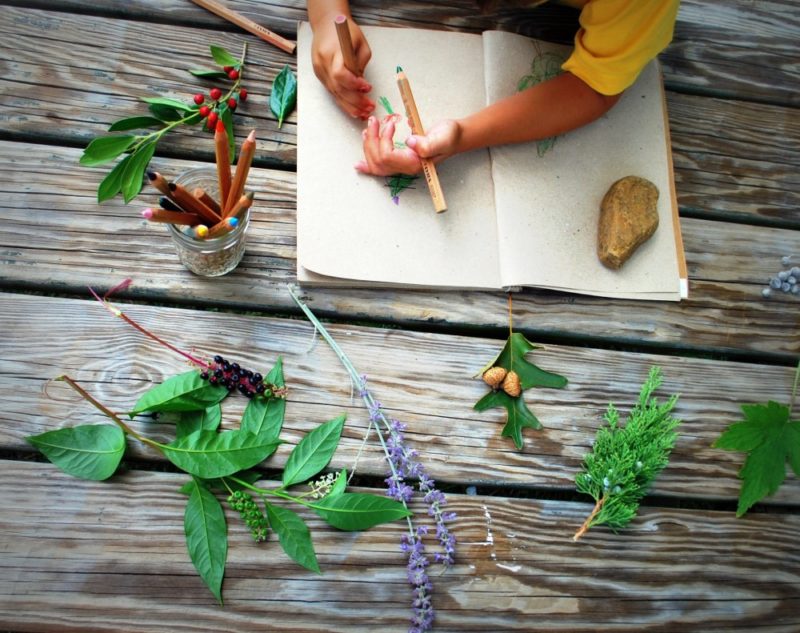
(111, 557)
(739, 49)
(730, 157)
(54, 236)
(424, 380)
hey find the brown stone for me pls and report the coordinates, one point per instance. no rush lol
(628, 217)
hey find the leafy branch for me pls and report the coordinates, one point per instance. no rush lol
(127, 177)
(223, 461)
(625, 460)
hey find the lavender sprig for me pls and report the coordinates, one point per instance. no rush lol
(403, 465)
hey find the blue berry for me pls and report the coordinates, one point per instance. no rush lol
(786, 287)
(766, 292)
(795, 271)
(775, 283)
(783, 275)
(791, 279)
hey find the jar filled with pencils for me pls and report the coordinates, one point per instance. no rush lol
(214, 245)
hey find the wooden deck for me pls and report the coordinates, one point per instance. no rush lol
(85, 556)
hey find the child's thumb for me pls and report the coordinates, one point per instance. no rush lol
(421, 145)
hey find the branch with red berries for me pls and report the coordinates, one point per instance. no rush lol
(127, 177)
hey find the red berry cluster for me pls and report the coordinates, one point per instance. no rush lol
(210, 107)
(236, 378)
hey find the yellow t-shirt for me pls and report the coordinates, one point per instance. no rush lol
(617, 39)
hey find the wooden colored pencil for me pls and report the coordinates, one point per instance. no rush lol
(168, 204)
(223, 156)
(246, 154)
(346, 44)
(221, 228)
(171, 217)
(207, 200)
(242, 204)
(428, 168)
(248, 25)
(159, 182)
(190, 204)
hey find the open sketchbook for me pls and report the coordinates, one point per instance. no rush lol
(521, 215)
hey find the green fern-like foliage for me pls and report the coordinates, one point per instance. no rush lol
(625, 460)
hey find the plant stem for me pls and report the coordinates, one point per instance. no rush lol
(587, 523)
(355, 378)
(119, 313)
(107, 411)
(275, 493)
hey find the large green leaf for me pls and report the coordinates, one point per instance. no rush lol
(105, 149)
(353, 511)
(313, 452)
(208, 454)
(770, 438)
(133, 176)
(519, 416)
(294, 536)
(112, 183)
(184, 392)
(512, 356)
(283, 95)
(91, 451)
(206, 535)
(190, 421)
(134, 123)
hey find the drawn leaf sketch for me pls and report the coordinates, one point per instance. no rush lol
(543, 67)
(398, 182)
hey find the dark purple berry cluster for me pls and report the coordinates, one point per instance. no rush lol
(235, 378)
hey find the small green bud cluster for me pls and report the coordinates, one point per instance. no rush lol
(251, 514)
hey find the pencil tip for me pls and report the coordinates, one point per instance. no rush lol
(252, 135)
(233, 222)
(147, 213)
(172, 186)
(399, 69)
(340, 19)
(151, 175)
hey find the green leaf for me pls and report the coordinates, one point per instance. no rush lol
(223, 57)
(133, 176)
(313, 452)
(91, 451)
(209, 454)
(206, 536)
(112, 183)
(358, 511)
(265, 415)
(293, 535)
(105, 149)
(164, 113)
(170, 103)
(134, 123)
(770, 439)
(519, 416)
(284, 94)
(209, 74)
(207, 420)
(184, 392)
(512, 357)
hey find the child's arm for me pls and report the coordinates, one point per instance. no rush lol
(547, 109)
(349, 91)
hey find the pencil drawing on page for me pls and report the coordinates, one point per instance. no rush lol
(543, 67)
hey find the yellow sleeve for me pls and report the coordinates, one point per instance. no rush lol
(617, 39)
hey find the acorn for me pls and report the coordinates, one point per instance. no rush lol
(494, 377)
(511, 384)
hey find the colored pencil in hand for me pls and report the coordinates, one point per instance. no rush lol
(346, 44)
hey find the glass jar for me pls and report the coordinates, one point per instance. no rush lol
(210, 257)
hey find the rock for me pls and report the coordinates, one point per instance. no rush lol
(628, 217)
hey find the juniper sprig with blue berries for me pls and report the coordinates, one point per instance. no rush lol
(626, 459)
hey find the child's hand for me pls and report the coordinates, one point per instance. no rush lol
(382, 158)
(349, 90)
